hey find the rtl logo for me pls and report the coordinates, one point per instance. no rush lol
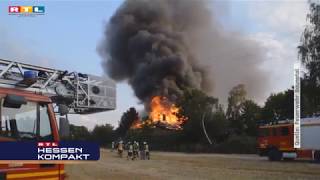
(26, 9)
(47, 144)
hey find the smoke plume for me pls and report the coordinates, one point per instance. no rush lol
(162, 47)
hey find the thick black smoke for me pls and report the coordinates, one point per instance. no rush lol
(146, 44)
(162, 47)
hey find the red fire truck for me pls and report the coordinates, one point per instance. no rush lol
(31, 97)
(276, 140)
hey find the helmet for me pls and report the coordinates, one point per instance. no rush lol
(144, 142)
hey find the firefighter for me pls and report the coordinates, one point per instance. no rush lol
(120, 148)
(142, 153)
(130, 151)
(146, 150)
(112, 146)
(138, 149)
(135, 149)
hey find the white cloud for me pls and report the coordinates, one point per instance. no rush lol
(280, 16)
(12, 48)
(282, 24)
(280, 56)
(90, 121)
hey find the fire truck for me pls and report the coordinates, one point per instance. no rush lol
(32, 97)
(276, 140)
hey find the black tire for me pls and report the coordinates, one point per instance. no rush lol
(288, 159)
(262, 152)
(317, 156)
(274, 155)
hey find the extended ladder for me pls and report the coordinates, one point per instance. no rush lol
(81, 92)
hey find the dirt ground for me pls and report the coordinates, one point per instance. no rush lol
(192, 166)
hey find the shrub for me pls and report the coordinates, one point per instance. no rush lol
(238, 144)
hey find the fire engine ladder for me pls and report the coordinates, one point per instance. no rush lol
(81, 92)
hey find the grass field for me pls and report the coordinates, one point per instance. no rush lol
(192, 166)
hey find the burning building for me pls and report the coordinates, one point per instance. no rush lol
(154, 46)
(164, 112)
(146, 45)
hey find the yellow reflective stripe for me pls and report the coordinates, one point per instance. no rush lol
(33, 174)
(286, 149)
(49, 178)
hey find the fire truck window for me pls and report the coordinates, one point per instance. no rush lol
(21, 123)
(45, 128)
(284, 131)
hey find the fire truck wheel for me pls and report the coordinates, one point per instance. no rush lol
(317, 156)
(288, 159)
(274, 155)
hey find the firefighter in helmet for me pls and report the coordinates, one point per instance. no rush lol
(146, 150)
(112, 146)
(120, 148)
(135, 149)
(130, 151)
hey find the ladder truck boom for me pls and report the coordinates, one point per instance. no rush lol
(81, 93)
(30, 98)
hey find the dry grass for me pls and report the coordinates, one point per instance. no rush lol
(192, 166)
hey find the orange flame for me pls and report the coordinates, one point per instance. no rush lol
(166, 113)
(137, 124)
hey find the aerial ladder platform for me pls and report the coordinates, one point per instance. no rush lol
(82, 93)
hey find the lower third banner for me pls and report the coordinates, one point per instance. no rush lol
(62, 151)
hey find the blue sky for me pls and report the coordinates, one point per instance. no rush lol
(67, 35)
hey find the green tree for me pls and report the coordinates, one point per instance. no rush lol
(217, 125)
(250, 116)
(310, 97)
(103, 134)
(309, 55)
(278, 106)
(310, 44)
(194, 105)
(126, 121)
(237, 96)
(79, 132)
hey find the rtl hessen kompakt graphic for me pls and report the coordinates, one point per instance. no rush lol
(52, 151)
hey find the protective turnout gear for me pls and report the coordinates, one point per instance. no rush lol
(146, 149)
(112, 146)
(135, 150)
(130, 151)
(120, 148)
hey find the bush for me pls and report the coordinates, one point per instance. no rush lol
(166, 140)
(103, 134)
(238, 144)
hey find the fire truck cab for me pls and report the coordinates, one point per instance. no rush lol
(32, 97)
(34, 120)
(276, 140)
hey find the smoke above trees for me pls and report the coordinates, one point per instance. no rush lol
(162, 47)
